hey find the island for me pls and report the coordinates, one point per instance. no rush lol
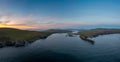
(17, 37)
(86, 34)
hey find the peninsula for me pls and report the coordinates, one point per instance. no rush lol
(96, 32)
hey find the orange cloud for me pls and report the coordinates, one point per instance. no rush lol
(32, 22)
(16, 26)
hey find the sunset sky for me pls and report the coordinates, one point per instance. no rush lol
(47, 14)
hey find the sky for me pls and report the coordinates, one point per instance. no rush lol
(49, 14)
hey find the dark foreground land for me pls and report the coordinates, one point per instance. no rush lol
(16, 37)
(96, 32)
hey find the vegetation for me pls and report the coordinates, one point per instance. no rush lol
(96, 32)
(16, 37)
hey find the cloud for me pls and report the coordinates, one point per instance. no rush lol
(35, 22)
(29, 21)
(14, 19)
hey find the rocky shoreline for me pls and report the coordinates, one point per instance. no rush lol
(96, 32)
(17, 38)
(6, 41)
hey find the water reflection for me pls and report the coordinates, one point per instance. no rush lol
(59, 48)
(48, 56)
(70, 34)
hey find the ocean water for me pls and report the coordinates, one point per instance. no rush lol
(62, 48)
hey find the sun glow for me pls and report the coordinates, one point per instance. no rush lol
(3, 25)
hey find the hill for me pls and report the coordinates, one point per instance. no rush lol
(17, 37)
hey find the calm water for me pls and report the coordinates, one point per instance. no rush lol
(61, 48)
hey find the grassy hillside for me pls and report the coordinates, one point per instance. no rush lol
(10, 36)
(96, 32)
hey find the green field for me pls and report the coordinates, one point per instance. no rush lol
(10, 36)
(96, 32)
